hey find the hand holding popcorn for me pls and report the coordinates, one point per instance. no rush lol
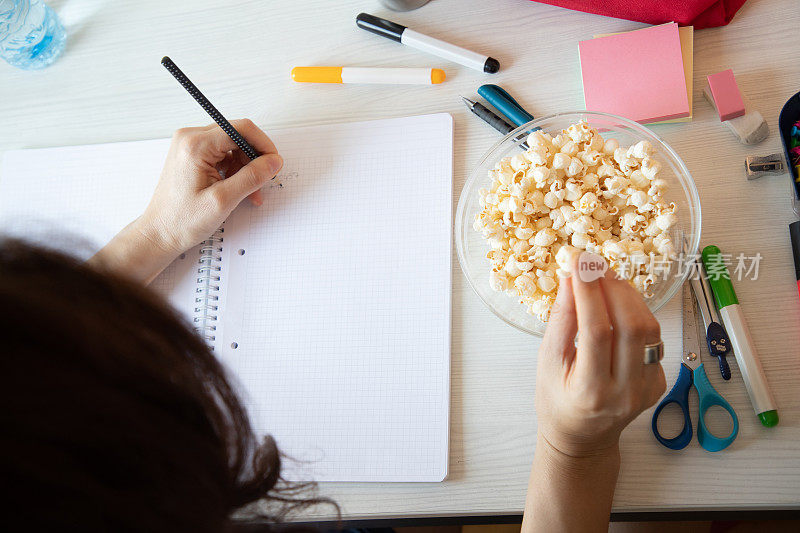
(587, 394)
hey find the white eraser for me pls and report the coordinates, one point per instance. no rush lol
(750, 128)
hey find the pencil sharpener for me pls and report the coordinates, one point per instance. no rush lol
(756, 166)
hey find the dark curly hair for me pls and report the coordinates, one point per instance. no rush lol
(115, 415)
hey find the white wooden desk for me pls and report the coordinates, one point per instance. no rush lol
(109, 86)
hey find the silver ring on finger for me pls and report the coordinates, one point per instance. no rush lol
(653, 353)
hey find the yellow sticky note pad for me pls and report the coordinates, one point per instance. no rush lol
(686, 36)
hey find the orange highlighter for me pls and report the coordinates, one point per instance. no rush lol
(395, 76)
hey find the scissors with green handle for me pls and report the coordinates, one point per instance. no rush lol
(691, 373)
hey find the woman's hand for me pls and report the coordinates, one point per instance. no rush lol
(191, 199)
(585, 397)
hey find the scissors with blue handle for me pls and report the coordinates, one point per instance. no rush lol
(691, 373)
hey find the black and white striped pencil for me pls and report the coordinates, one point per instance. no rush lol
(209, 108)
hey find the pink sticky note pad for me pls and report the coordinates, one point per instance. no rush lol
(726, 95)
(638, 74)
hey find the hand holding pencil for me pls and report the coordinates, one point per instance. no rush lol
(200, 154)
(191, 200)
(208, 172)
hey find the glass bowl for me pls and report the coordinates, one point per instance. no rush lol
(472, 247)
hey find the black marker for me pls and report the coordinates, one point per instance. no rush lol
(420, 41)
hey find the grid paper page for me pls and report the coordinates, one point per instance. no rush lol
(76, 198)
(339, 307)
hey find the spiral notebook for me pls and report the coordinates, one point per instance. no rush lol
(330, 303)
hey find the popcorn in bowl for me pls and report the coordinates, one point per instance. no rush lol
(568, 193)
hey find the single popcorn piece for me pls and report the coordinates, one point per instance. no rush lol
(547, 283)
(588, 203)
(650, 168)
(566, 257)
(570, 193)
(526, 284)
(610, 146)
(498, 280)
(545, 237)
(665, 220)
(581, 240)
(641, 150)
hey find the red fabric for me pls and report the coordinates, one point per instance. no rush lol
(697, 13)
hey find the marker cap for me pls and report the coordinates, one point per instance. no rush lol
(491, 66)
(317, 74)
(384, 28)
(718, 277)
(437, 75)
(769, 418)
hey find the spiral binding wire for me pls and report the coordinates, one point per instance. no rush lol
(207, 291)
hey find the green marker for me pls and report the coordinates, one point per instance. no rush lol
(744, 349)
